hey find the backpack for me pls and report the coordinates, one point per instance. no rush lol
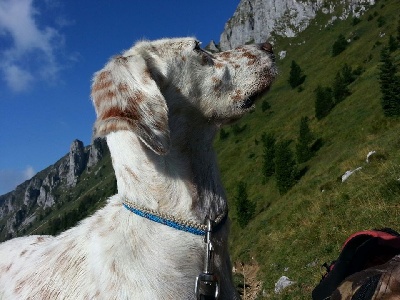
(359, 263)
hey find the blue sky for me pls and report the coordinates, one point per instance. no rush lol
(49, 50)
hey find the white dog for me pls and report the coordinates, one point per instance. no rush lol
(159, 104)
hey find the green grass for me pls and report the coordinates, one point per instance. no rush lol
(307, 226)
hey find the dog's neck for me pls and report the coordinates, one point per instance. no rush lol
(185, 182)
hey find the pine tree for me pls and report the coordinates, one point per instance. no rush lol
(296, 76)
(340, 88)
(303, 146)
(244, 207)
(323, 102)
(285, 167)
(390, 85)
(339, 45)
(268, 168)
(393, 44)
(347, 74)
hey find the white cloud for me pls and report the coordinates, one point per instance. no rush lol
(9, 179)
(31, 51)
(29, 172)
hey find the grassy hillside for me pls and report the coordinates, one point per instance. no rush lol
(294, 233)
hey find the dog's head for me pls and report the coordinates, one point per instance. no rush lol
(153, 81)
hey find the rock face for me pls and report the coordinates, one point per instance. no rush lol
(77, 162)
(256, 20)
(17, 207)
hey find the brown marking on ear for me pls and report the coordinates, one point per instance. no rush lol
(103, 81)
(103, 96)
(123, 88)
(237, 96)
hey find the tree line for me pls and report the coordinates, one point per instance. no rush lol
(279, 160)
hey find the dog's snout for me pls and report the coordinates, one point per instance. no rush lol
(267, 47)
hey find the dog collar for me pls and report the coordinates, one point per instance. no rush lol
(177, 223)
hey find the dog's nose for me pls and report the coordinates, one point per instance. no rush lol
(267, 47)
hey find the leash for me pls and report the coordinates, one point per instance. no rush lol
(207, 284)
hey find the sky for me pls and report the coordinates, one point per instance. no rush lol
(49, 50)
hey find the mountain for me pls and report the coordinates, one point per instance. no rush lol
(351, 182)
(49, 188)
(259, 20)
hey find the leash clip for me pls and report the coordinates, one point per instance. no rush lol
(207, 285)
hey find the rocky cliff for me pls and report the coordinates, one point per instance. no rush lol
(257, 20)
(19, 206)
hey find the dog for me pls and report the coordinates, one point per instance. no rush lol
(159, 105)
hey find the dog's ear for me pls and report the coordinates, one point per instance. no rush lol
(126, 97)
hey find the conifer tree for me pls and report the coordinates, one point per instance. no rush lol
(393, 44)
(296, 76)
(303, 146)
(285, 167)
(339, 45)
(323, 102)
(390, 84)
(244, 207)
(268, 168)
(339, 88)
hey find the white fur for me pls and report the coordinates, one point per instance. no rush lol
(159, 104)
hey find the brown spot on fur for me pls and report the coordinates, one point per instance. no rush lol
(249, 55)
(183, 58)
(113, 267)
(121, 60)
(8, 267)
(219, 65)
(226, 55)
(217, 82)
(101, 85)
(23, 253)
(20, 284)
(237, 96)
(123, 88)
(130, 172)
